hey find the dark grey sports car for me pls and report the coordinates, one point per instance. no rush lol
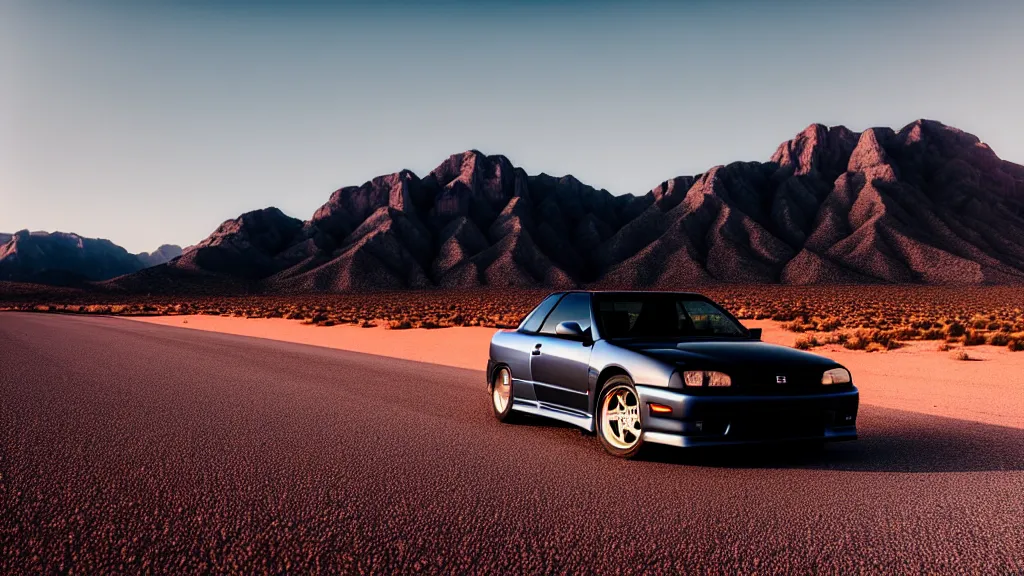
(665, 368)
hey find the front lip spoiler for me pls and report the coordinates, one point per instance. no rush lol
(680, 441)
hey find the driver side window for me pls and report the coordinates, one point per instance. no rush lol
(574, 307)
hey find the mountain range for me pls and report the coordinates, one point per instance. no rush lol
(925, 204)
(65, 259)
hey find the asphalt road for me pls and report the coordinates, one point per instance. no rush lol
(126, 447)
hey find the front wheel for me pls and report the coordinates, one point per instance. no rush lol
(501, 394)
(618, 418)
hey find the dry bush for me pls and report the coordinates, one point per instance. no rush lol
(807, 342)
(962, 355)
(1016, 345)
(794, 326)
(978, 322)
(974, 338)
(856, 343)
(955, 330)
(826, 324)
(400, 324)
(999, 339)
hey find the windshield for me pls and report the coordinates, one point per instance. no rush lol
(662, 316)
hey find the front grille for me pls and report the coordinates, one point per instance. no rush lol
(763, 381)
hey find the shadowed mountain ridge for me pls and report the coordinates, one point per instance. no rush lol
(65, 259)
(925, 204)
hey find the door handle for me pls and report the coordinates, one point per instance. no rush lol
(536, 350)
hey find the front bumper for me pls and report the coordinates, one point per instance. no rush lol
(725, 420)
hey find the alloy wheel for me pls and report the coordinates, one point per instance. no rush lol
(620, 417)
(502, 390)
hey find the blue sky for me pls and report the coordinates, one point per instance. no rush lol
(152, 122)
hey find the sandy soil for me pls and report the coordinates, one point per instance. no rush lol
(462, 347)
(917, 378)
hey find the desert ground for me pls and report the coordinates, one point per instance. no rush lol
(916, 376)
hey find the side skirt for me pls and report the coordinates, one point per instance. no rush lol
(546, 410)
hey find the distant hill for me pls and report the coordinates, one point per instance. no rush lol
(164, 253)
(64, 259)
(925, 204)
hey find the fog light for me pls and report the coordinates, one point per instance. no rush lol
(659, 408)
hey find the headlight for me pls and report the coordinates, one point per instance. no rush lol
(836, 376)
(697, 378)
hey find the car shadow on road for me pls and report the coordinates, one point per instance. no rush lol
(890, 441)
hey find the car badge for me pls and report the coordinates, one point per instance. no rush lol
(780, 379)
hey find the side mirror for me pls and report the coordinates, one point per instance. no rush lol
(570, 330)
(755, 333)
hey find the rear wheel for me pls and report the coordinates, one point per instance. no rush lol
(618, 418)
(501, 394)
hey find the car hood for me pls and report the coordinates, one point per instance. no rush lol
(711, 353)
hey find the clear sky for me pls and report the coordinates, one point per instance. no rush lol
(151, 122)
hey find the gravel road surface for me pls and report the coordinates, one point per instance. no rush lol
(127, 447)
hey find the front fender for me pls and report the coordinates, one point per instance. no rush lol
(642, 370)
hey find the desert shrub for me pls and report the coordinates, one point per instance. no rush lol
(999, 339)
(978, 322)
(932, 334)
(974, 338)
(903, 333)
(962, 355)
(944, 347)
(1015, 345)
(856, 343)
(401, 324)
(806, 343)
(827, 324)
(794, 326)
(888, 339)
(955, 330)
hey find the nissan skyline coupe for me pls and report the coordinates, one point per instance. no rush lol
(664, 368)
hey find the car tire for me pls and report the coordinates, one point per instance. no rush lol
(617, 420)
(501, 395)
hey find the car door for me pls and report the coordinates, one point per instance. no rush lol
(560, 365)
